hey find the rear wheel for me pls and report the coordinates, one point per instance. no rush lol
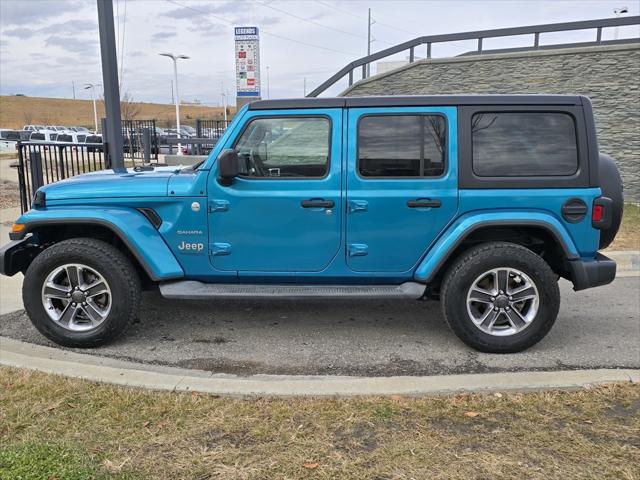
(500, 298)
(81, 292)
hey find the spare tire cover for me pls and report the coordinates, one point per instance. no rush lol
(611, 186)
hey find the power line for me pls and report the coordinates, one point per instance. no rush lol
(265, 32)
(313, 22)
(347, 12)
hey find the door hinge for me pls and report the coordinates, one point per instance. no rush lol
(358, 249)
(358, 206)
(218, 206)
(218, 249)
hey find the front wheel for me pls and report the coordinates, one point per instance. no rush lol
(500, 298)
(81, 292)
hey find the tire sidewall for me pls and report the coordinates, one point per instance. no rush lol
(455, 303)
(35, 277)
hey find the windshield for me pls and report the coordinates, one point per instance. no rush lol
(10, 135)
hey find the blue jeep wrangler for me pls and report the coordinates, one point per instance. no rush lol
(481, 201)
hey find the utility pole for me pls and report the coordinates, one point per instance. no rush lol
(369, 40)
(113, 123)
(304, 87)
(73, 86)
(268, 93)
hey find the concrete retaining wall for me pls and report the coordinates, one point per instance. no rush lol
(609, 75)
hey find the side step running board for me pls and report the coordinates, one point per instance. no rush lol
(193, 290)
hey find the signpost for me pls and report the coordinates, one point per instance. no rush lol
(247, 55)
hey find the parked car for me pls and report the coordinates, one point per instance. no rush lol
(43, 136)
(9, 140)
(34, 128)
(83, 130)
(58, 128)
(483, 202)
(94, 143)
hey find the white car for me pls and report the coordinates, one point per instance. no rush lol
(43, 136)
(71, 137)
(8, 140)
(58, 128)
(33, 128)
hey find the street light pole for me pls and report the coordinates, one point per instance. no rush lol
(618, 12)
(93, 86)
(175, 59)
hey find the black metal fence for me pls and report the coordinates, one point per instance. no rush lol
(213, 129)
(134, 135)
(43, 163)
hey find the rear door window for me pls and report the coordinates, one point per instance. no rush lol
(520, 144)
(395, 146)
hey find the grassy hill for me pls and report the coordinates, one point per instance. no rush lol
(18, 111)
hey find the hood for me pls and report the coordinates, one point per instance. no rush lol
(112, 183)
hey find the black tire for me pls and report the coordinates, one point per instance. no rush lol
(118, 272)
(483, 258)
(611, 186)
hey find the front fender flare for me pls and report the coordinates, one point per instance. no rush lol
(465, 225)
(131, 227)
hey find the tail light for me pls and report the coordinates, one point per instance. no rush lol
(597, 214)
(602, 213)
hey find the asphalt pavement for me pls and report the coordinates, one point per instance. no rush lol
(597, 328)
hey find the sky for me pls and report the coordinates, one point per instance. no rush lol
(48, 45)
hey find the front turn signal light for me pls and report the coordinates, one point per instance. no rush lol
(18, 227)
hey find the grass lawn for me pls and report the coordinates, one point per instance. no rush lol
(57, 428)
(628, 237)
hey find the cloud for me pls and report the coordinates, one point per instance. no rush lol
(73, 45)
(21, 33)
(71, 27)
(160, 36)
(17, 12)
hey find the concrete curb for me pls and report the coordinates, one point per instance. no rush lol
(627, 261)
(51, 360)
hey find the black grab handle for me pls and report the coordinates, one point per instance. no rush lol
(424, 203)
(317, 203)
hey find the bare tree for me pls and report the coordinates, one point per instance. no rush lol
(128, 108)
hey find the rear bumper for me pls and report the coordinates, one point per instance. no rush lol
(592, 273)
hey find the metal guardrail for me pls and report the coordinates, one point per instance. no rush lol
(479, 36)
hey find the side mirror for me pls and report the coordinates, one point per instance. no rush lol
(229, 166)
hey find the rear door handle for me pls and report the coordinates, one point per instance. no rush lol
(317, 203)
(424, 203)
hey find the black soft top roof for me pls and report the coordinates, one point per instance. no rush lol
(416, 100)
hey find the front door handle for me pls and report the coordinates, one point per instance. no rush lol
(424, 203)
(317, 203)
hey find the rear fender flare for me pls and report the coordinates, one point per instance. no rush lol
(437, 256)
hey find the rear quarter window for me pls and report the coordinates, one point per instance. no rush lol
(524, 144)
